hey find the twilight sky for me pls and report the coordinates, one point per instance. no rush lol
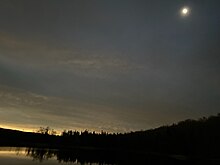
(107, 64)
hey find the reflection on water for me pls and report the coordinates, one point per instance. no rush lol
(12, 152)
(25, 156)
(18, 156)
(15, 156)
(41, 154)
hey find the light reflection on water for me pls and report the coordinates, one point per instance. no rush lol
(31, 156)
(80, 156)
(9, 150)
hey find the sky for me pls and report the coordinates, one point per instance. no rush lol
(116, 66)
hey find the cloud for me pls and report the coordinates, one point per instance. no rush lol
(22, 109)
(19, 108)
(15, 97)
(100, 63)
(45, 54)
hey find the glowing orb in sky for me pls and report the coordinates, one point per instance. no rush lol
(185, 11)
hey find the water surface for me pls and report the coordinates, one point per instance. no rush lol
(30, 156)
(88, 156)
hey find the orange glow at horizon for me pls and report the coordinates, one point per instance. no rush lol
(18, 128)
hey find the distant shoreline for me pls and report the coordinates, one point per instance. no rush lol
(185, 140)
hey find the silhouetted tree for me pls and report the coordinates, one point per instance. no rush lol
(46, 131)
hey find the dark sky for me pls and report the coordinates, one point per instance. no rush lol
(108, 64)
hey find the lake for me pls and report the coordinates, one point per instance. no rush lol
(33, 156)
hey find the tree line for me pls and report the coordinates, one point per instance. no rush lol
(193, 138)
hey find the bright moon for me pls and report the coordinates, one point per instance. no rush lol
(185, 11)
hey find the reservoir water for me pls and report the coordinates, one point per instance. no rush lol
(27, 156)
(89, 156)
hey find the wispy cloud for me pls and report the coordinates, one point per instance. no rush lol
(13, 96)
(40, 54)
(98, 63)
(19, 108)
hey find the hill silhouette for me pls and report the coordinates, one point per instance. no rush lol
(189, 138)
